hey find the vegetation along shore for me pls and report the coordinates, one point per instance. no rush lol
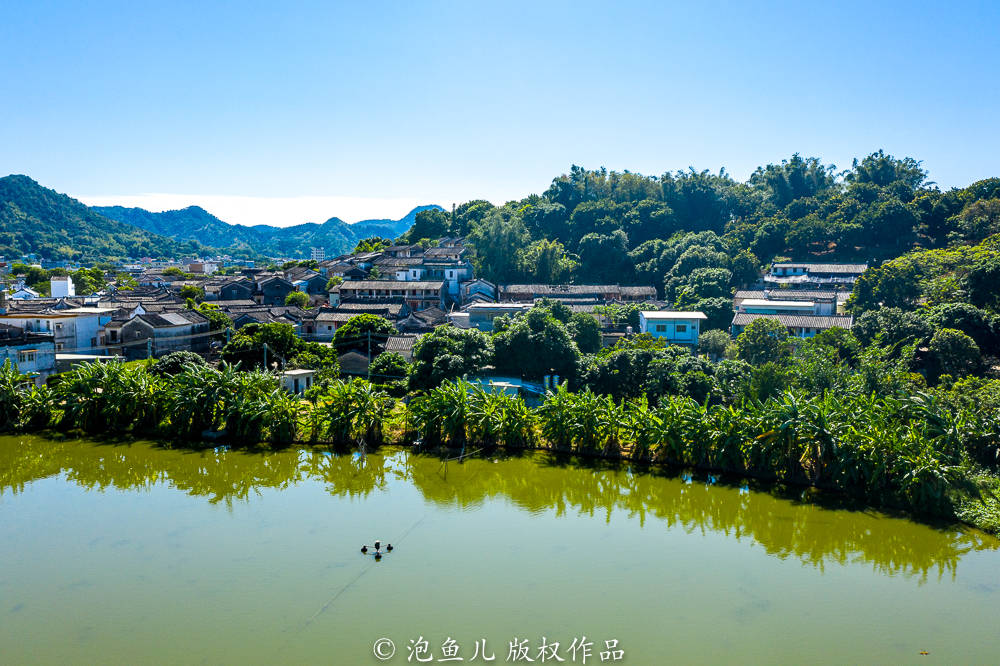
(867, 428)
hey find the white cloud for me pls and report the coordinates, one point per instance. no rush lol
(275, 211)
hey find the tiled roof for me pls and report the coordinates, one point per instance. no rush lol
(352, 285)
(797, 321)
(826, 268)
(560, 289)
(786, 295)
(181, 318)
(392, 309)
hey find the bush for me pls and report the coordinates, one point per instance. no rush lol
(174, 362)
(953, 352)
(762, 341)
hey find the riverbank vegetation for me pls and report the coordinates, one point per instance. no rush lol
(872, 431)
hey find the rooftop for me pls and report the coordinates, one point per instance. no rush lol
(664, 314)
(797, 320)
(826, 268)
(769, 303)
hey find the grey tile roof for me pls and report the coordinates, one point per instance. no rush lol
(797, 321)
(826, 268)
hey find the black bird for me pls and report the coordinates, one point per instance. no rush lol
(378, 555)
(378, 545)
(364, 549)
(389, 547)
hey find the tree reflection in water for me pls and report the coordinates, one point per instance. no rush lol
(534, 482)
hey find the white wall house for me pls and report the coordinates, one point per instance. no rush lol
(674, 327)
(298, 381)
(75, 329)
(30, 354)
(768, 306)
(24, 294)
(62, 286)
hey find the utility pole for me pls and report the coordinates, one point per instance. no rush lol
(265, 356)
(369, 355)
(149, 347)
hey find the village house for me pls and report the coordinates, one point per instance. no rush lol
(74, 328)
(61, 286)
(273, 291)
(598, 293)
(814, 276)
(478, 290)
(31, 354)
(672, 327)
(824, 302)
(481, 315)
(153, 335)
(297, 381)
(417, 294)
(798, 325)
(236, 290)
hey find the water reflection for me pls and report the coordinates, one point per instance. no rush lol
(533, 482)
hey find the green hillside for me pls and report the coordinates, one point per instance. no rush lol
(36, 219)
(196, 224)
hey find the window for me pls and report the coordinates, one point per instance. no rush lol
(682, 328)
(661, 328)
(26, 357)
(58, 327)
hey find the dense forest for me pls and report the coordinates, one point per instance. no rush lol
(40, 221)
(694, 233)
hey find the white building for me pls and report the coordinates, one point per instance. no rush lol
(31, 354)
(680, 328)
(317, 254)
(203, 267)
(24, 293)
(62, 286)
(298, 381)
(74, 329)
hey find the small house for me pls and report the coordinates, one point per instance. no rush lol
(676, 328)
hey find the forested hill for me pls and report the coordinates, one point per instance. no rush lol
(35, 219)
(698, 235)
(195, 223)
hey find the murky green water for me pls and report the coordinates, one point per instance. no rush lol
(135, 554)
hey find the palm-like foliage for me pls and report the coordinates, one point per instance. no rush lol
(589, 421)
(110, 397)
(496, 418)
(352, 411)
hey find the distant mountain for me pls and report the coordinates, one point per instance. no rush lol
(35, 219)
(197, 224)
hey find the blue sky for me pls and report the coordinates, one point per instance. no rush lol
(283, 112)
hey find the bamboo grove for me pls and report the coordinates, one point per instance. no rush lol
(908, 449)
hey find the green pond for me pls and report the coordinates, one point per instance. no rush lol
(133, 553)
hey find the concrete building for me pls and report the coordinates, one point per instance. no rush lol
(815, 276)
(62, 286)
(798, 325)
(154, 335)
(825, 302)
(75, 329)
(673, 327)
(297, 381)
(417, 294)
(32, 354)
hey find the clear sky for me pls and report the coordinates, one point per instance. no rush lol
(294, 111)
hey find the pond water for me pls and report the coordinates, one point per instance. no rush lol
(132, 553)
